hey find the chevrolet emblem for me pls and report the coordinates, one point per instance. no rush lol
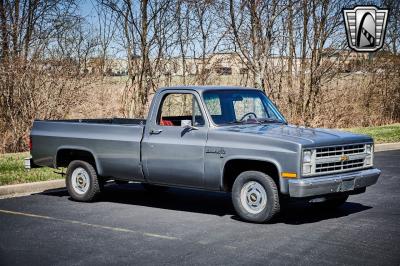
(344, 158)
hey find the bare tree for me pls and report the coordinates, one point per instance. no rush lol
(393, 28)
(144, 31)
(209, 33)
(183, 29)
(39, 67)
(106, 27)
(254, 27)
(295, 50)
(320, 41)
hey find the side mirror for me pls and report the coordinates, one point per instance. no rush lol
(187, 124)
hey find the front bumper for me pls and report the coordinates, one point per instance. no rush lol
(343, 182)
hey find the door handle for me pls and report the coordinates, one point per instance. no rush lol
(155, 131)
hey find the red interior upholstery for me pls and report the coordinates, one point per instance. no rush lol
(166, 123)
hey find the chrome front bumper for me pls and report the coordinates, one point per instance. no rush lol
(343, 182)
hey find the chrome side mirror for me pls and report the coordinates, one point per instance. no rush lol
(187, 124)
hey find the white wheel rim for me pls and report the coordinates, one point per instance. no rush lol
(80, 180)
(253, 197)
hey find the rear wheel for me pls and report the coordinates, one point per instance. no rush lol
(82, 181)
(255, 197)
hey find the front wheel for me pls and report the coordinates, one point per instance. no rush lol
(82, 181)
(255, 197)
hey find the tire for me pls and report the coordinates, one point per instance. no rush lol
(82, 181)
(261, 201)
(154, 188)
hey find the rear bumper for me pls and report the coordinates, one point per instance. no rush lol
(28, 163)
(344, 182)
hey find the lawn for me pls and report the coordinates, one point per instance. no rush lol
(12, 170)
(381, 134)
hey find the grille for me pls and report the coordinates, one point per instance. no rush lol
(336, 159)
(340, 150)
(338, 166)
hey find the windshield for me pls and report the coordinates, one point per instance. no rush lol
(241, 106)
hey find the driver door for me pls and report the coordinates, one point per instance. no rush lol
(172, 154)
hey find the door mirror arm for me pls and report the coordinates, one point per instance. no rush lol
(189, 127)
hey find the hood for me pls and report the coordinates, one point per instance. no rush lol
(309, 137)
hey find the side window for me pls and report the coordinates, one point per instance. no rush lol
(176, 107)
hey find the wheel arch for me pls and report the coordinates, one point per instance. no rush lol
(67, 154)
(234, 166)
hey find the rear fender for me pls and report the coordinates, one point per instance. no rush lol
(79, 148)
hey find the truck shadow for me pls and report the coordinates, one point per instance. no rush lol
(305, 213)
(214, 203)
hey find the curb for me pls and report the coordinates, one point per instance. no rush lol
(387, 147)
(33, 187)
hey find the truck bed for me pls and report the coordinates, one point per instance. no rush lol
(114, 143)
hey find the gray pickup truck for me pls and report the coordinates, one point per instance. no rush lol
(230, 139)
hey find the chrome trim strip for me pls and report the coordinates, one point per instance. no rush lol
(338, 145)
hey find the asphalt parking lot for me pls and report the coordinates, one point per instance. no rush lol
(130, 226)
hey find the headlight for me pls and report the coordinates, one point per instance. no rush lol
(307, 156)
(368, 148)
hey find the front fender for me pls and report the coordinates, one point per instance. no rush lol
(283, 182)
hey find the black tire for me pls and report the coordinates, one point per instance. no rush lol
(154, 188)
(272, 206)
(94, 186)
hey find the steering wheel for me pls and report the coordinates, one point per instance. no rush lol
(246, 114)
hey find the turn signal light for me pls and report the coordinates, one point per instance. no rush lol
(289, 175)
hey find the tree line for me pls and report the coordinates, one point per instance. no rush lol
(284, 44)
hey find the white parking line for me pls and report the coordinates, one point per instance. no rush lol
(116, 229)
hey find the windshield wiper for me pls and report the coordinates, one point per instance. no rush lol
(270, 120)
(235, 122)
(243, 122)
